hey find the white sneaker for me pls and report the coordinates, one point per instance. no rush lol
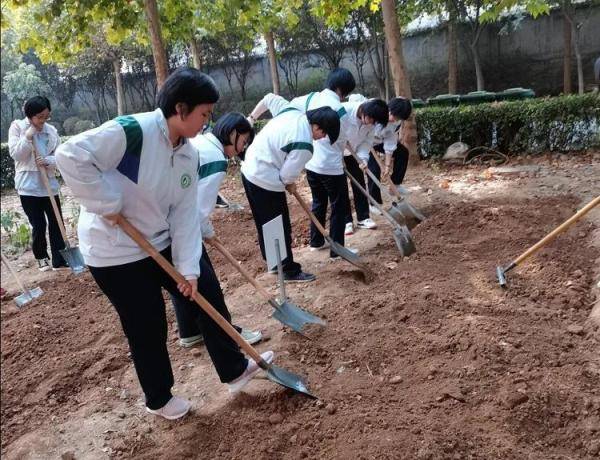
(174, 409)
(249, 373)
(374, 210)
(188, 342)
(367, 223)
(44, 265)
(251, 337)
(325, 245)
(349, 229)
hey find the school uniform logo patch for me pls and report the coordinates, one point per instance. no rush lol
(186, 180)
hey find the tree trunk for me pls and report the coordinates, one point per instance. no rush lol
(399, 73)
(158, 48)
(478, 71)
(272, 61)
(452, 55)
(196, 54)
(567, 83)
(580, 82)
(119, 82)
(394, 41)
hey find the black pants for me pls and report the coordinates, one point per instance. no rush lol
(39, 209)
(400, 157)
(265, 206)
(326, 188)
(189, 322)
(135, 290)
(361, 204)
(374, 190)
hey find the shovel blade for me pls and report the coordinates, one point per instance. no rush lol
(349, 256)
(404, 241)
(234, 207)
(28, 296)
(500, 274)
(288, 379)
(413, 215)
(74, 258)
(294, 317)
(396, 214)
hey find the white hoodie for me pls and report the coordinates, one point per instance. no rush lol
(360, 135)
(279, 152)
(327, 158)
(212, 169)
(129, 166)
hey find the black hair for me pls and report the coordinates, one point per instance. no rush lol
(377, 109)
(35, 105)
(327, 119)
(232, 121)
(400, 108)
(188, 86)
(341, 79)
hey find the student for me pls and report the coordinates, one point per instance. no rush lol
(365, 117)
(23, 135)
(325, 171)
(228, 138)
(396, 154)
(273, 164)
(143, 167)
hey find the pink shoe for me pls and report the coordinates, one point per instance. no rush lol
(250, 372)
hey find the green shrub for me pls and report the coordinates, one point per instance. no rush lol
(69, 125)
(18, 232)
(83, 125)
(566, 123)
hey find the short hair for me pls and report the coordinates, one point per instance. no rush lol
(35, 105)
(377, 109)
(188, 86)
(341, 79)
(230, 122)
(400, 108)
(327, 119)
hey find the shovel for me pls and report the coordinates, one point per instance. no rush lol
(413, 215)
(394, 209)
(27, 294)
(71, 254)
(285, 311)
(231, 206)
(501, 272)
(401, 233)
(335, 247)
(274, 373)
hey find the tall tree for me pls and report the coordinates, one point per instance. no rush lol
(158, 47)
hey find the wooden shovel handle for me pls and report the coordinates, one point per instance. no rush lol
(44, 175)
(310, 214)
(395, 192)
(219, 247)
(13, 273)
(136, 236)
(554, 233)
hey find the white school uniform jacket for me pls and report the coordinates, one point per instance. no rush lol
(28, 181)
(279, 151)
(129, 166)
(327, 159)
(388, 136)
(360, 135)
(212, 168)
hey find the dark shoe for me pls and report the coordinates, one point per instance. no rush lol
(60, 266)
(301, 277)
(221, 203)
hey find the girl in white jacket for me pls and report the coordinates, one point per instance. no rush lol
(23, 135)
(228, 138)
(143, 167)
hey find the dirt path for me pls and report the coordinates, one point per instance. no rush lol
(431, 360)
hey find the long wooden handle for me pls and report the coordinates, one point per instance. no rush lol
(310, 214)
(44, 175)
(219, 247)
(395, 191)
(372, 176)
(136, 236)
(377, 159)
(13, 273)
(554, 233)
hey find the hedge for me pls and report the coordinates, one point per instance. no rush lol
(565, 123)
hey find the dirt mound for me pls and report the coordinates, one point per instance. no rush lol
(431, 360)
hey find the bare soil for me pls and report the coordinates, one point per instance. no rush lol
(431, 360)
